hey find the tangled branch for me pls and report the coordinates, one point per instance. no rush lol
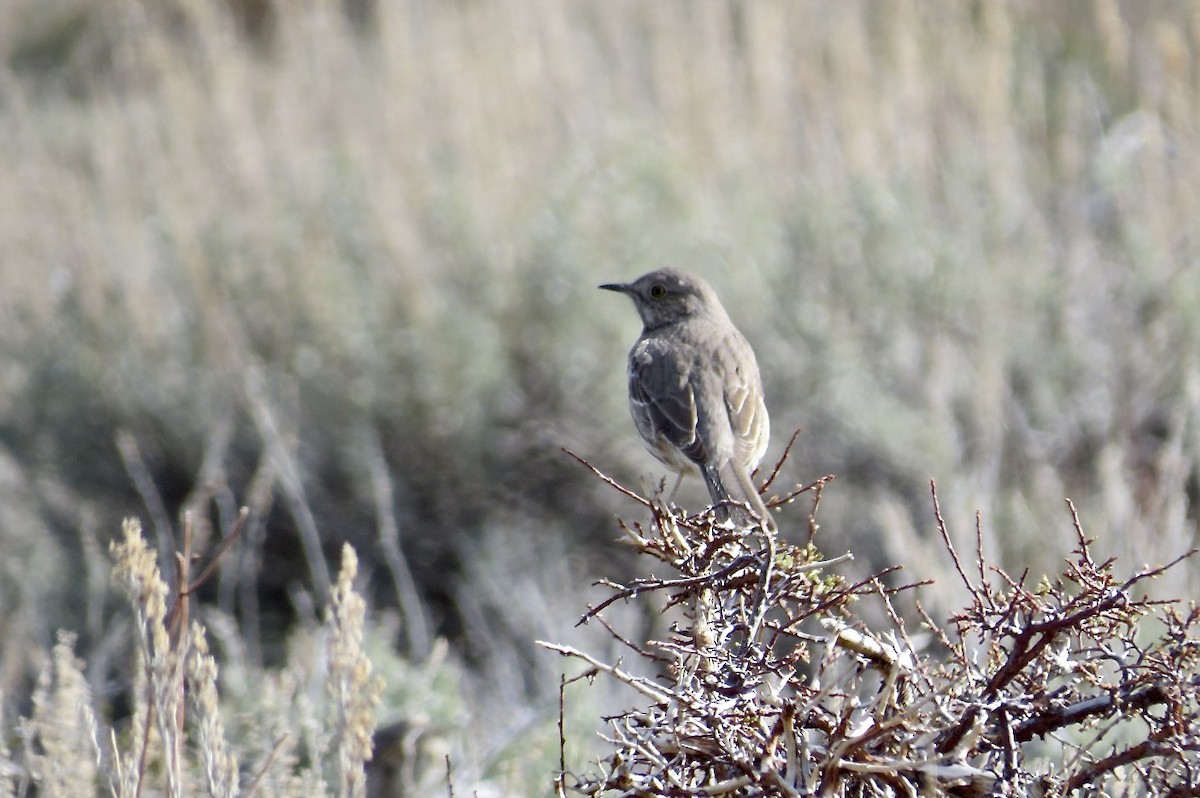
(769, 682)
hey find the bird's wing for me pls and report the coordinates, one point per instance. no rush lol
(663, 401)
(744, 400)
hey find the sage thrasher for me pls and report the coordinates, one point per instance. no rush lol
(695, 392)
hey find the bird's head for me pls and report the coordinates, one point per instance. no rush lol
(667, 296)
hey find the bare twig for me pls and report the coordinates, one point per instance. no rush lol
(637, 683)
(817, 485)
(609, 480)
(752, 702)
(783, 458)
(949, 544)
(230, 537)
(560, 782)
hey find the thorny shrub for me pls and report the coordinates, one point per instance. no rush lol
(771, 684)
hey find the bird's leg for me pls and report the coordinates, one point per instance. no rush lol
(675, 488)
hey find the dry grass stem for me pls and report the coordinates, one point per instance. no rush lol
(354, 692)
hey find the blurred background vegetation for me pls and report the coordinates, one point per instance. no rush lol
(337, 262)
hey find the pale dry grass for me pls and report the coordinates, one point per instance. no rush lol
(205, 722)
(70, 749)
(61, 729)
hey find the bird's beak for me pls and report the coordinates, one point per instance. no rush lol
(622, 288)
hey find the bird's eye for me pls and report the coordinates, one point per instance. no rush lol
(658, 291)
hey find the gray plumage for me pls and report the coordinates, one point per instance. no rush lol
(694, 389)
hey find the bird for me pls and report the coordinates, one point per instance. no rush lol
(695, 392)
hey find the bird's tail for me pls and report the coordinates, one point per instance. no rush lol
(732, 491)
